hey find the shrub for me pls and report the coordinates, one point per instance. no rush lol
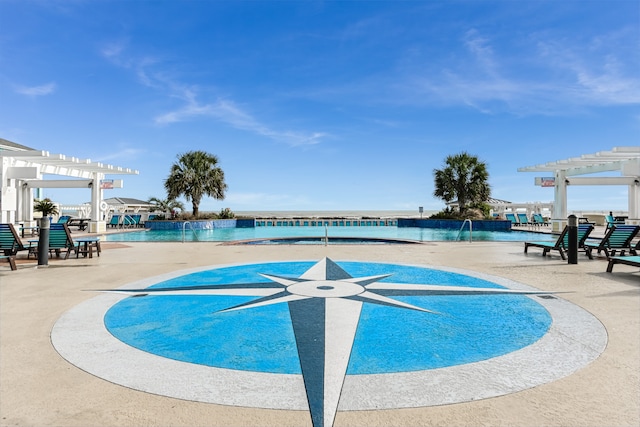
(226, 213)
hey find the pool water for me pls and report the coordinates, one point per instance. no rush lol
(384, 232)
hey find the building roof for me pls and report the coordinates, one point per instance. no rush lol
(490, 201)
(5, 144)
(126, 201)
(602, 161)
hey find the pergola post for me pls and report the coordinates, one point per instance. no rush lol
(98, 223)
(632, 168)
(559, 217)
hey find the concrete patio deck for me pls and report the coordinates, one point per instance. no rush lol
(40, 388)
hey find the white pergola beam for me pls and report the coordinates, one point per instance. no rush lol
(59, 164)
(610, 180)
(58, 183)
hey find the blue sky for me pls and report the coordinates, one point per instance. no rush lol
(324, 105)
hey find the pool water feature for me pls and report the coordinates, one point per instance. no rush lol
(362, 233)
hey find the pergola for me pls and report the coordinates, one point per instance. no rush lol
(625, 160)
(24, 170)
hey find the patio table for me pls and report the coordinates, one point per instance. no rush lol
(86, 245)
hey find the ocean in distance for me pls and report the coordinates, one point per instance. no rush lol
(336, 214)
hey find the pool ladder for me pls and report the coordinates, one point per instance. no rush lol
(184, 229)
(470, 230)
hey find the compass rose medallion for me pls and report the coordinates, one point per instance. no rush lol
(325, 305)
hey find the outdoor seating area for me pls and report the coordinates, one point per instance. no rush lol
(61, 241)
(521, 219)
(126, 221)
(618, 245)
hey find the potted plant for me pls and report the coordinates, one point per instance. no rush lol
(46, 207)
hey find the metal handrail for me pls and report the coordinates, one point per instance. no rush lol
(184, 228)
(326, 235)
(470, 230)
(129, 220)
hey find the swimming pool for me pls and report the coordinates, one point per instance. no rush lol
(357, 235)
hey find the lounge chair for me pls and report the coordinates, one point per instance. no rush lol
(628, 260)
(511, 217)
(611, 221)
(59, 240)
(538, 219)
(10, 242)
(562, 242)
(522, 219)
(64, 219)
(115, 221)
(618, 238)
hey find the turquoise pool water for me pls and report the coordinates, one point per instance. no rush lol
(383, 232)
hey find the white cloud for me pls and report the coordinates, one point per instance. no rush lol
(223, 110)
(228, 112)
(41, 90)
(548, 74)
(601, 71)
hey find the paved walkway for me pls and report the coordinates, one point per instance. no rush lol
(40, 388)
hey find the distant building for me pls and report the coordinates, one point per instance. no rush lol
(500, 207)
(128, 205)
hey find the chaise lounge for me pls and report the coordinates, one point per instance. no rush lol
(628, 260)
(611, 221)
(618, 238)
(59, 240)
(538, 219)
(511, 217)
(523, 219)
(10, 242)
(562, 242)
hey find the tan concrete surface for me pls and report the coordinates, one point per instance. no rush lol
(39, 388)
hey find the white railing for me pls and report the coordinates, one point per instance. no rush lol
(470, 230)
(184, 228)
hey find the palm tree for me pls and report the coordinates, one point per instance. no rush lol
(165, 205)
(46, 207)
(194, 175)
(464, 178)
